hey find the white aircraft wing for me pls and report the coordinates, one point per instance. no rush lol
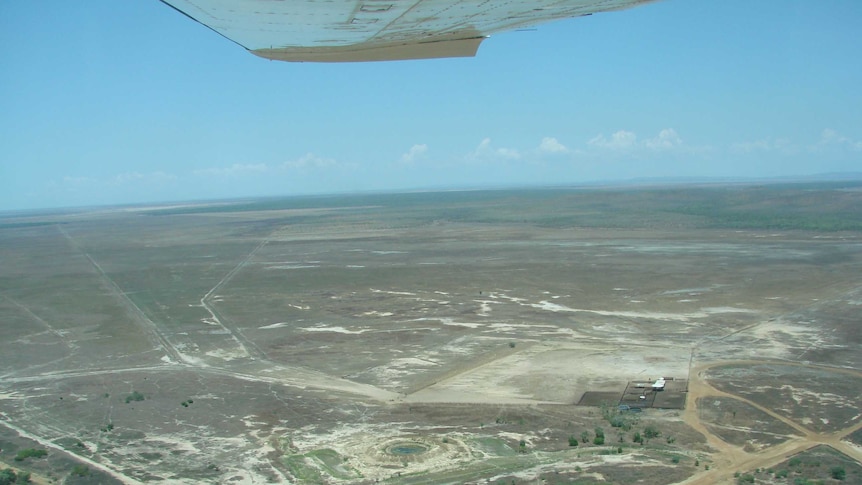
(376, 30)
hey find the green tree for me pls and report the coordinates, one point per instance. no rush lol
(573, 441)
(80, 470)
(651, 432)
(838, 472)
(619, 421)
(600, 436)
(8, 476)
(30, 453)
(585, 437)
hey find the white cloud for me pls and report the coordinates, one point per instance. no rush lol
(830, 137)
(235, 169)
(486, 152)
(415, 152)
(551, 145)
(629, 142)
(484, 147)
(510, 153)
(667, 138)
(309, 160)
(621, 140)
(751, 146)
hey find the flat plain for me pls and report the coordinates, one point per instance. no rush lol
(439, 338)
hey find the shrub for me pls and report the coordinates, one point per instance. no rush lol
(30, 453)
(8, 476)
(620, 421)
(651, 432)
(838, 472)
(573, 441)
(134, 396)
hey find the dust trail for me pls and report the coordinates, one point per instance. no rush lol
(134, 310)
(734, 458)
(60, 335)
(49, 444)
(244, 343)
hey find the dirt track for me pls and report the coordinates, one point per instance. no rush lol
(730, 459)
(321, 342)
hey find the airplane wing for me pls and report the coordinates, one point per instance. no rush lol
(376, 30)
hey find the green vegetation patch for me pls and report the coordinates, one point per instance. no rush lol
(333, 464)
(820, 464)
(311, 466)
(8, 477)
(812, 207)
(80, 470)
(301, 469)
(30, 453)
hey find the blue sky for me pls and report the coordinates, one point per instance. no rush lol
(108, 102)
